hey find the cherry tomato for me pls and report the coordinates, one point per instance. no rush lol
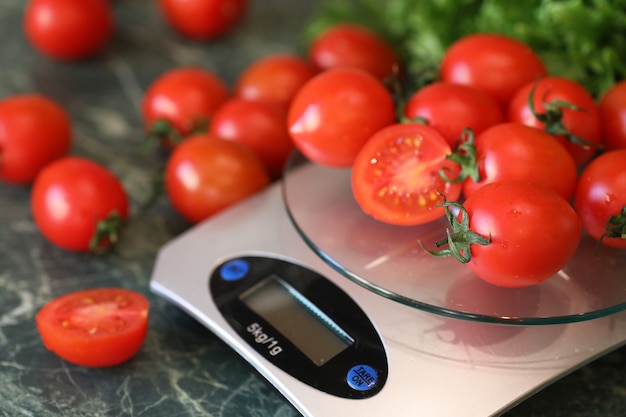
(260, 125)
(495, 64)
(552, 98)
(34, 131)
(205, 174)
(96, 327)
(613, 115)
(336, 112)
(395, 176)
(275, 78)
(351, 45)
(528, 233)
(68, 29)
(512, 151)
(203, 19)
(79, 205)
(451, 108)
(183, 97)
(600, 195)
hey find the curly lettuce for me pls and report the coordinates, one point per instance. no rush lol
(584, 40)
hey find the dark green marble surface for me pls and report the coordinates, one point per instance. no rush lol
(183, 369)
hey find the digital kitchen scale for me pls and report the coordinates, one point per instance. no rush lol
(345, 315)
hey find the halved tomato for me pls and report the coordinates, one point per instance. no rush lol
(396, 176)
(96, 327)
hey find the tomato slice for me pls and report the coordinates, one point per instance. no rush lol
(396, 175)
(96, 327)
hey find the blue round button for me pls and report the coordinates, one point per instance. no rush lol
(362, 377)
(234, 270)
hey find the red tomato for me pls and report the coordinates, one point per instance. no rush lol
(495, 64)
(600, 195)
(613, 115)
(205, 174)
(275, 78)
(184, 97)
(34, 131)
(395, 176)
(512, 151)
(533, 233)
(96, 327)
(68, 29)
(351, 45)
(336, 112)
(548, 98)
(450, 108)
(260, 125)
(203, 19)
(79, 205)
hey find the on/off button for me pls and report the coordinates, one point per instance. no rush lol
(234, 270)
(362, 377)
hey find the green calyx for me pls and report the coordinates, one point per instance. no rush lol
(459, 240)
(465, 155)
(616, 226)
(552, 119)
(107, 234)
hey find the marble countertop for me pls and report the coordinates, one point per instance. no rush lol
(183, 369)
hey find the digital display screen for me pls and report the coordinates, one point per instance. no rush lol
(297, 319)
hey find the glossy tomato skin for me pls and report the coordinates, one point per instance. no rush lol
(613, 115)
(203, 19)
(336, 112)
(354, 46)
(185, 97)
(98, 327)
(495, 64)
(205, 174)
(395, 176)
(512, 151)
(584, 123)
(534, 233)
(68, 29)
(274, 78)
(70, 196)
(34, 131)
(262, 126)
(601, 193)
(450, 108)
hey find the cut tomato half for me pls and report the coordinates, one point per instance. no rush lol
(396, 176)
(96, 327)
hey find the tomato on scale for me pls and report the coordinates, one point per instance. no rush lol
(336, 112)
(512, 233)
(600, 199)
(354, 46)
(451, 108)
(97, 327)
(513, 151)
(613, 114)
(396, 175)
(563, 108)
(496, 64)
(274, 78)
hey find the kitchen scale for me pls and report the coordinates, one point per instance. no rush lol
(344, 315)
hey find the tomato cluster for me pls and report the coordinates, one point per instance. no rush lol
(80, 205)
(520, 161)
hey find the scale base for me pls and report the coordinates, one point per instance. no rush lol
(438, 366)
